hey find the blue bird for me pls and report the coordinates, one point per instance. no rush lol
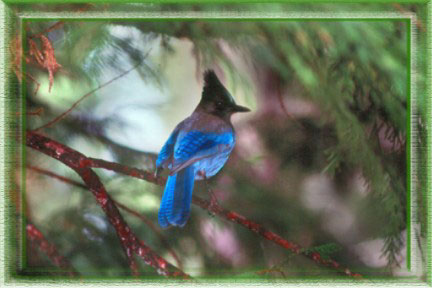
(197, 149)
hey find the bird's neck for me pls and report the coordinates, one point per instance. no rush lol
(214, 116)
(203, 118)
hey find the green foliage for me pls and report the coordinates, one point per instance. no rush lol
(326, 250)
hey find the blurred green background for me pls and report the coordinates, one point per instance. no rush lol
(321, 160)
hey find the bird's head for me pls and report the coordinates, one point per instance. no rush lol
(216, 99)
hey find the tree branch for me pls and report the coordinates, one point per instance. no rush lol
(36, 237)
(130, 243)
(58, 151)
(118, 204)
(150, 224)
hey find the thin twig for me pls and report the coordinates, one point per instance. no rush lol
(283, 107)
(65, 113)
(57, 176)
(36, 112)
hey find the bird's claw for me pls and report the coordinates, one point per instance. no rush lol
(214, 204)
(157, 172)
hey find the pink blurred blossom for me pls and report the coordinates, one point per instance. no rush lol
(224, 242)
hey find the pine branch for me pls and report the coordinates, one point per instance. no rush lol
(130, 243)
(79, 162)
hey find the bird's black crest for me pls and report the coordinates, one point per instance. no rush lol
(210, 79)
(213, 88)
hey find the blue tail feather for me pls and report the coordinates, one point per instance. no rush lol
(167, 200)
(176, 200)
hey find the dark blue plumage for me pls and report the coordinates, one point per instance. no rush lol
(197, 149)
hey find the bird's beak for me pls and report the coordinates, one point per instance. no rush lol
(238, 108)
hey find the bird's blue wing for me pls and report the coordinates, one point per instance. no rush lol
(167, 150)
(195, 145)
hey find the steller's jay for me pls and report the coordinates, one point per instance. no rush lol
(197, 149)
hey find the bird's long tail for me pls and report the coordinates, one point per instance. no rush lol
(176, 200)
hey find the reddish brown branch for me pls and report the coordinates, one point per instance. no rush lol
(67, 155)
(122, 169)
(215, 209)
(37, 238)
(130, 243)
(118, 204)
(150, 224)
(273, 237)
(223, 213)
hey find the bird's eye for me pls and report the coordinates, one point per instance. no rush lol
(219, 104)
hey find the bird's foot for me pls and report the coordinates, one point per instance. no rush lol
(157, 172)
(214, 205)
